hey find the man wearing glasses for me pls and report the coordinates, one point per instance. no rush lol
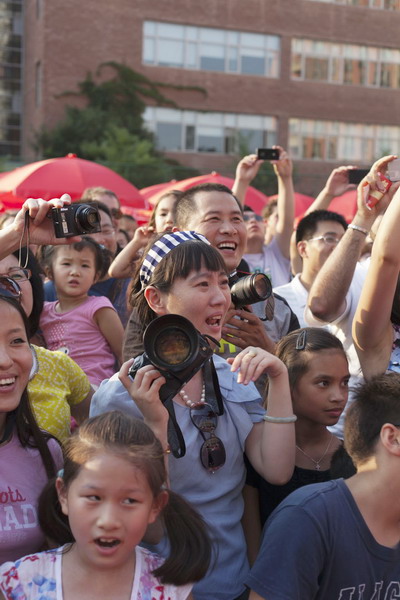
(318, 233)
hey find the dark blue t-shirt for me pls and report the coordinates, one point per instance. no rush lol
(317, 546)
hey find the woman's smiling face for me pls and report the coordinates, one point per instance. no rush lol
(15, 360)
(203, 297)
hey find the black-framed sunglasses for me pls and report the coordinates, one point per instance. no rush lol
(9, 288)
(212, 451)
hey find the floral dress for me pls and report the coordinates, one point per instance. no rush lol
(39, 577)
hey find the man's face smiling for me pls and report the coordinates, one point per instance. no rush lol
(219, 218)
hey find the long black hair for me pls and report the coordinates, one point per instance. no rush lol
(26, 427)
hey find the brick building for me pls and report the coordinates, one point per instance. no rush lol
(321, 78)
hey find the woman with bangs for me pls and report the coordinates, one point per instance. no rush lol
(218, 411)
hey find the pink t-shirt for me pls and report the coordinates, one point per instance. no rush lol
(77, 334)
(22, 478)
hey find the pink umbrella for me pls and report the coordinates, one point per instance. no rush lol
(50, 178)
(257, 200)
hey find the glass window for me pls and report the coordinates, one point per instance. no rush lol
(210, 139)
(212, 57)
(327, 140)
(169, 136)
(316, 68)
(170, 53)
(252, 62)
(168, 30)
(149, 51)
(189, 47)
(208, 132)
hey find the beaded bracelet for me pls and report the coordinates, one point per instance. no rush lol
(270, 419)
(358, 228)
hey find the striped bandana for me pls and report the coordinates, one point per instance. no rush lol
(161, 247)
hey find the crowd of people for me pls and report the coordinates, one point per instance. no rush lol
(160, 439)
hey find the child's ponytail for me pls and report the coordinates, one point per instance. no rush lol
(190, 545)
(53, 522)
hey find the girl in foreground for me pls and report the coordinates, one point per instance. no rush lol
(111, 488)
(183, 274)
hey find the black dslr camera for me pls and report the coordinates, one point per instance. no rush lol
(250, 289)
(176, 349)
(76, 219)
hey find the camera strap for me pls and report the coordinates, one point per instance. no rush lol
(214, 398)
(213, 391)
(175, 437)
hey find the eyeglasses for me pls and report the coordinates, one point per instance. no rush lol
(18, 274)
(212, 451)
(10, 288)
(249, 217)
(108, 231)
(331, 240)
(116, 213)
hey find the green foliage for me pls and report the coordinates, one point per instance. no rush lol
(110, 128)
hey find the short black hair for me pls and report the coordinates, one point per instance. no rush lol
(376, 402)
(308, 224)
(185, 206)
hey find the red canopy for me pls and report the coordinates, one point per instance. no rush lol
(257, 200)
(53, 177)
(346, 205)
(150, 191)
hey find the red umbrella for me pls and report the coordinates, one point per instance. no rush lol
(257, 200)
(346, 205)
(50, 178)
(301, 203)
(150, 191)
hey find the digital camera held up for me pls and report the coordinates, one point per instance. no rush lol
(76, 219)
(250, 289)
(175, 347)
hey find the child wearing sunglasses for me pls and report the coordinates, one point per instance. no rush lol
(182, 274)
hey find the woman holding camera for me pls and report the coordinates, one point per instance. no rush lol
(183, 274)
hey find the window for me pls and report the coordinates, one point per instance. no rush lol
(381, 4)
(185, 130)
(330, 140)
(347, 64)
(207, 49)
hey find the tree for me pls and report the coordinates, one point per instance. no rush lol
(110, 129)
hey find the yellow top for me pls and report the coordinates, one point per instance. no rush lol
(57, 383)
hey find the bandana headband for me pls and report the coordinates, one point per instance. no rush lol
(162, 247)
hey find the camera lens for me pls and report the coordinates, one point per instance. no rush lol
(87, 218)
(251, 289)
(262, 285)
(172, 346)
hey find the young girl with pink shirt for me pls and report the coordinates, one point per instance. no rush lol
(87, 328)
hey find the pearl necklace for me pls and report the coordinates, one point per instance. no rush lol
(317, 462)
(189, 403)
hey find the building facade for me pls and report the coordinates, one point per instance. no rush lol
(321, 78)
